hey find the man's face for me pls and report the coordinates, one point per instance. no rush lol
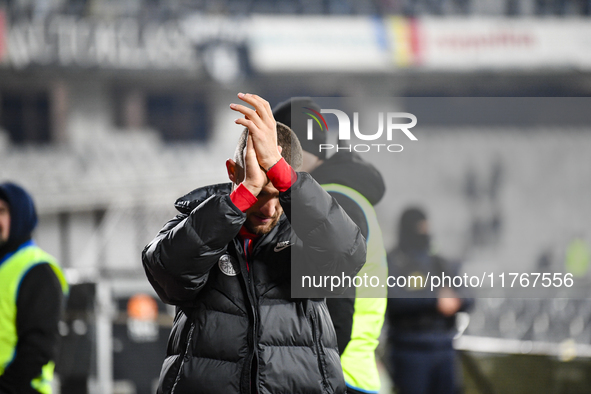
(423, 227)
(4, 222)
(265, 213)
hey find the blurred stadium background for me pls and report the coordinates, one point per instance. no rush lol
(110, 110)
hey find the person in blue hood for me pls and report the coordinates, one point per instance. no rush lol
(32, 287)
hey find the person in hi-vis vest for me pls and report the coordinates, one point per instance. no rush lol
(357, 186)
(32, 288)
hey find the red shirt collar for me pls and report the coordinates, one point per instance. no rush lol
(245, 234)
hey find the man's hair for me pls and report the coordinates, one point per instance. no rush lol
(291, 150)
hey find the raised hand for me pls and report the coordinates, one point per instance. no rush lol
(261, 126)
(254, 177)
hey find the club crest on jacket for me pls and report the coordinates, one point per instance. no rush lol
(225, 264)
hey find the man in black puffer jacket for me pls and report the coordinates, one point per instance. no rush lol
(225, 262)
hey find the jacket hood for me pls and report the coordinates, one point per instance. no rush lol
(23, 216)
(349, 169)
(409, 236)
(297, 120)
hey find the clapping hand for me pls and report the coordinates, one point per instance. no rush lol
(262, 128)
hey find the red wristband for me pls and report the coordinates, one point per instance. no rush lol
(242, 198)
(281, 175)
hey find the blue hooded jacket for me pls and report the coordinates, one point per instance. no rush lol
(39, 300)
(23, 217)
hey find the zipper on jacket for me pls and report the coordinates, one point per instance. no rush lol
(253, 362)
(245, 377)
(319, 350)
(185, 357)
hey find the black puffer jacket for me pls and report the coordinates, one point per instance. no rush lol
(236, 320)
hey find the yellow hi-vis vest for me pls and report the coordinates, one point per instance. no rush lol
(12, 272)
(358, 360)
